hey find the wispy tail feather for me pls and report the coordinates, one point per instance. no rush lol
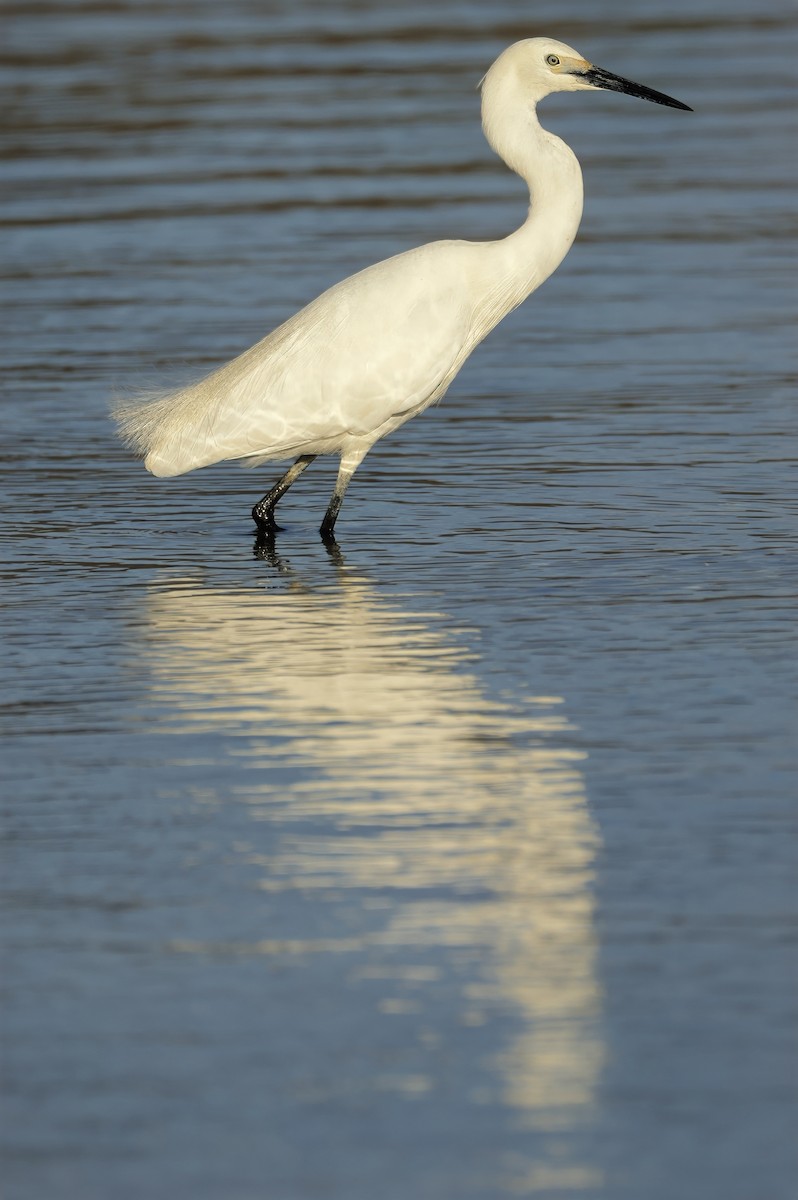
(226, 415)
(140, 418)
(160, 427)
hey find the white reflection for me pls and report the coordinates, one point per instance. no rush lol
(428, 789)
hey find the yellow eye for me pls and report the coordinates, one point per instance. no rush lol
(552, 60)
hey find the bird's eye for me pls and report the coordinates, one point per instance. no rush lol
(552, 60)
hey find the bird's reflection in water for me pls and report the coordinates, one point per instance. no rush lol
(414, 784)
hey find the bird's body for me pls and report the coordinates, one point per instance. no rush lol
(384, 344)
(329, 379)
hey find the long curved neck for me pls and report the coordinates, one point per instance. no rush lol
(551, 172)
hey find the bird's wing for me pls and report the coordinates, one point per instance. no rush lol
(378, 345)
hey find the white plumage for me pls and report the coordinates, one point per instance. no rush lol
(382, 345)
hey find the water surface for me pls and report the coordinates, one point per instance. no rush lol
(453, 861)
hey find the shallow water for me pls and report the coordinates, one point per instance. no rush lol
(452, 862)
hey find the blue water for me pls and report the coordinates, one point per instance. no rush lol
(455, 860)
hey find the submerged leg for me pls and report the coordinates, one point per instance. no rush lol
(349, 464)
(263, 512)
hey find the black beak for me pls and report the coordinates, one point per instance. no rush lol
(613, 83)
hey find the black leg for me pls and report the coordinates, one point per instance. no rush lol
(331, 516)
(349, 464)
(263, 512)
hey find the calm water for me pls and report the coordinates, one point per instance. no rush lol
(453, 863)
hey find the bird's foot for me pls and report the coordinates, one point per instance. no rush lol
(264, 519)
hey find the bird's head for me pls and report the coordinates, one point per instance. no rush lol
(541, 66)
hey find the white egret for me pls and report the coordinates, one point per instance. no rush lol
(382, 345)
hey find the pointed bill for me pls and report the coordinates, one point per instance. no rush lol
(599, 78)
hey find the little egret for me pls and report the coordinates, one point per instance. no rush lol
(382, 345)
